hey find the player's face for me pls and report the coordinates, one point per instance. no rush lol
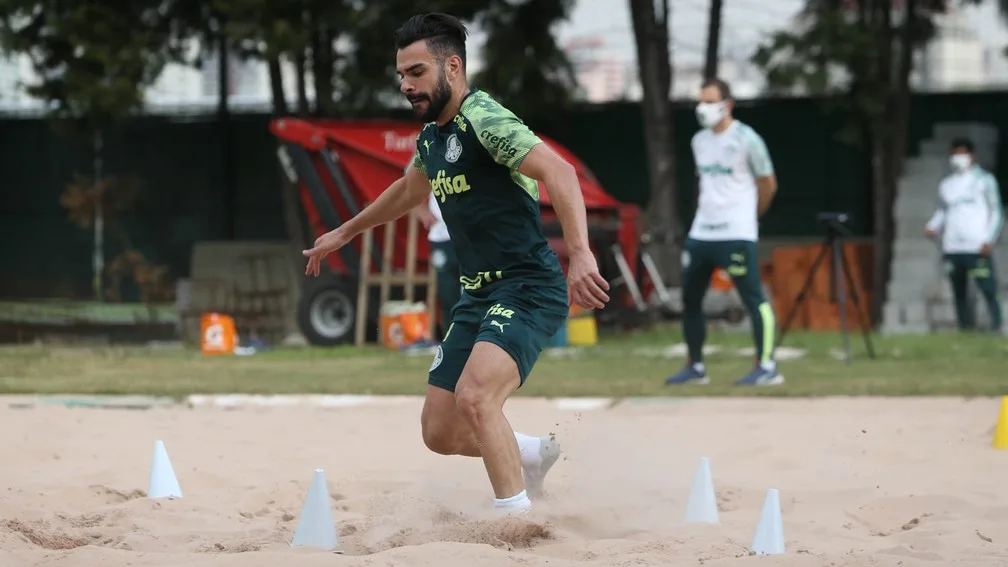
(424, 81)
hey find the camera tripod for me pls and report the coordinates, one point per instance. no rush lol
(833, 244)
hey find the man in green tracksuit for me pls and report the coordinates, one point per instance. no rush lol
(969, 217)
(737, 184)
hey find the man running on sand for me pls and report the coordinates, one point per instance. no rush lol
(482, 164)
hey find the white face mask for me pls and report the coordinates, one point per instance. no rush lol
(960, 162)
(709, 114)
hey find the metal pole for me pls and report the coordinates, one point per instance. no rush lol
(98, 259)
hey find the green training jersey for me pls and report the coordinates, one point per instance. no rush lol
(491, 210)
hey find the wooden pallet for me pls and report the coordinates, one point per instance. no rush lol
(386, 277)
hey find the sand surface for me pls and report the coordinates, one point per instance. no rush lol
(862, 482)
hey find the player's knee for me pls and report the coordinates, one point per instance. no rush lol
(438, 436)
(755, 305)
(439, 422)
(477, 395)
(474, 402)
(487, 380)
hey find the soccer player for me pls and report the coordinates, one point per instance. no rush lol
(482, 164)
(737, 184)
(970, 216)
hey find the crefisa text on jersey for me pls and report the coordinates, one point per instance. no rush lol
(442, 185)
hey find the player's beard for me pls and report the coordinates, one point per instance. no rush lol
(436, 101)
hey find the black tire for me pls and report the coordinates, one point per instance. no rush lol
(327, 310)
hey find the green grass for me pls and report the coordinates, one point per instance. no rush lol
(626, 365)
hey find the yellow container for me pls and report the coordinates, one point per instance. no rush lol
(581, 327)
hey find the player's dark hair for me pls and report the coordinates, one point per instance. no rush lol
(445, 35)
(962, 142)
(722, 87)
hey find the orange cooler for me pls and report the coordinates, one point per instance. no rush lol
(218, 334)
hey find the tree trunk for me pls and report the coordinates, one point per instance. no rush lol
(300, 60)
(884, 163)
(277, 86)
(322, 71)
(651, 31)
(713, 40)
(901, 94)
(892, 146)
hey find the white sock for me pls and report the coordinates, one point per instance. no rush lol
(515, 503)
(699, 367)
(769, 366)
(528, 448)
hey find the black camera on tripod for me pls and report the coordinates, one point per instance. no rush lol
(836, 223)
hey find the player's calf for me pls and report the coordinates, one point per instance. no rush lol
(489, 377)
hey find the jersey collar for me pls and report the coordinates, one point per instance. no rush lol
(731, 127)
(472, 91)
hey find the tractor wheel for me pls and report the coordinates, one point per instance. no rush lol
(327, 311)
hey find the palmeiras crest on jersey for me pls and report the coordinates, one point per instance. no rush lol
(453, 149)
(437, 359)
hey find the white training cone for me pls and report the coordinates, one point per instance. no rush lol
(163, 483)
(316, 527)
(701, 506)
(769, 538)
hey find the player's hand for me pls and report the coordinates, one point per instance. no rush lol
(328, 242)
(986, 250)
(930, 233)
(585, 285)
(426, 218)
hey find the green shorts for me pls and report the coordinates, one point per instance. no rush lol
(519, 317)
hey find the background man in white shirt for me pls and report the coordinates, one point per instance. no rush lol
(969, 217)
(449, 290)
(737, 184)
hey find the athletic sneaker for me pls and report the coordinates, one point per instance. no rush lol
(549, 452)
(760, 376)
(512, 513)
(690, 374)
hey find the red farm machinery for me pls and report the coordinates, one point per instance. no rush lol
(338, 167)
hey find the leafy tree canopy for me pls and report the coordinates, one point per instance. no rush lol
(94, 58)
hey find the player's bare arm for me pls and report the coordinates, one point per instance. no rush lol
(586, 286)
(424, 214)
(402, 195)
(767, 186)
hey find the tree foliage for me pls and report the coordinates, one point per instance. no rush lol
(366, 79)
(522, 57)
(861, 54)
(94, 58)
(849, 52)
